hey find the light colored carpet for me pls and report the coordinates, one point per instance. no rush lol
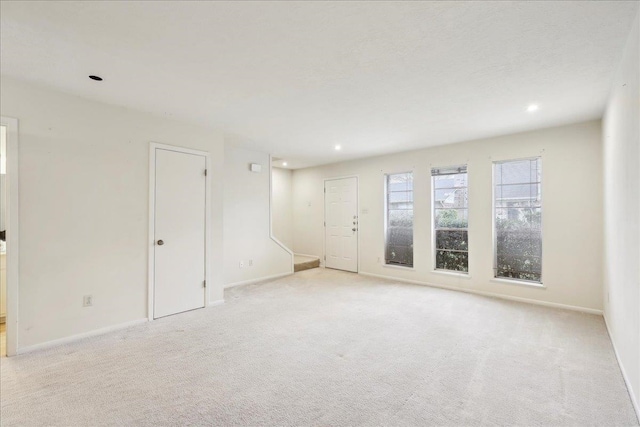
(323, 347)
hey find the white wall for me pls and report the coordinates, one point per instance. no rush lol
(246, 220)
(621, 135)
(572, 211)
(282, 199)
(3, 288)
(84, 176)
(3, 146)
(3, 195)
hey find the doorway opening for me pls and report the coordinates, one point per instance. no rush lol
(281, 214)
(8, 236)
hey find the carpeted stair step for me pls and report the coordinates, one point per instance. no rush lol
(305, 263)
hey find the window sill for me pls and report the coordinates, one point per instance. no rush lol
(519, 282)
(399, 267)
(452, 273)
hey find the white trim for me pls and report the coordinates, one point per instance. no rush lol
(399, 267)
(77, 337)
(13, 241)
(323, 259)
(259, 279)
(307, 255)
(503, 159)
(535, 285)
(271, 235)
(153, 146)
(490, 294)
(627, 382)
(215, 303)
(452, 273)
(151, 233)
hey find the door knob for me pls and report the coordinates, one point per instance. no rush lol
(160, 242)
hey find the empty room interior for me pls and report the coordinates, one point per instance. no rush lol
(316, 213)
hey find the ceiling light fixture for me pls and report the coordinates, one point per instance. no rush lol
(284, 163)
(533, 107)
(338, 148)
(96, 78)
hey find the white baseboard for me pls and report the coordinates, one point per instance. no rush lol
(72, 338)
(632, 395)
(259, 279)
(490, 294)
(214, 303)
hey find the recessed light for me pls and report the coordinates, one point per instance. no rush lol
(284, 163)
(533, 107)
(96, 78)
(338, 148)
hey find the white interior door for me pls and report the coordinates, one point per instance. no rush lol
(341, 224)
(179, 232)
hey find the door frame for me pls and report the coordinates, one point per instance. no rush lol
(13, 252)
(208, 249)
(324, 218)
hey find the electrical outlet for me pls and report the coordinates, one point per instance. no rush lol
(250, 263)
(241, 265)
(87, 300)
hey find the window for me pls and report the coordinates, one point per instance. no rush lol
(399, 219)
(518, 220)
(450, 218)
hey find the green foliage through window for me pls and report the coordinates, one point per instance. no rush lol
(399, 226)
(518, 220)
(450, 205)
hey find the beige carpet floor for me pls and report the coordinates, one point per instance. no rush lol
(327, 348)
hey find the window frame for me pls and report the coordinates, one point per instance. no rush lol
(385, 177)
(513, 280)
(434, 254)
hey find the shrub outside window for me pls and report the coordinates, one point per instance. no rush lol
(518, 219)
(399, 219)
(450, 218)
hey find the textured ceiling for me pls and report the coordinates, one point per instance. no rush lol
(297, 78)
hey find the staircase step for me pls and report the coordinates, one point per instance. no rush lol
(305, 263)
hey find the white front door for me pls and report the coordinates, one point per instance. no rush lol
(341, 223)
(179, 232)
